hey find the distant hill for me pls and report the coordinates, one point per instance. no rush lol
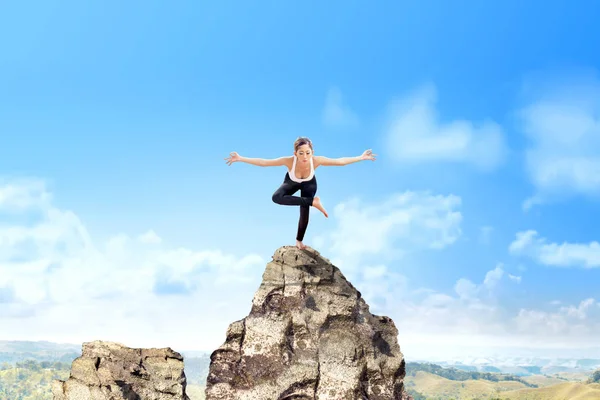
(461, 375)
(464, 367)
(587, 363)
(425, 385)
(22, 346)
(561, 391)
(524, 365)
(532, 369)
(424, 380)
(13, 352)
(544, 380)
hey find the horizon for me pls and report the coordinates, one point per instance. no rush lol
(494, 357)
(120, 220)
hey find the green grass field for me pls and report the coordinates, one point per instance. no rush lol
(435, 387)
(560, 391)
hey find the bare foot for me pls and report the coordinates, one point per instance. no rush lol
(300, 245)
(317, 204)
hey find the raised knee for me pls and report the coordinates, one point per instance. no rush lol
(276, 197)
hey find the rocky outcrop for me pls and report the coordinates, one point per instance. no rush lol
(111, 371)
(309, 335)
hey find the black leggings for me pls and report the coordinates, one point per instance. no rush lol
(283, 196)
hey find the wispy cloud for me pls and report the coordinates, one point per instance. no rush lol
(530, 244)
(402, 223)
(514, 278)
(485, 234)
(468, 290)
(55, 281)
(433, 322)
(473, 312)
(562, 125)
(415, 134)
(398, 226)
(581, 320)
(336, 114)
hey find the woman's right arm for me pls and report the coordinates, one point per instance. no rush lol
(261, 162)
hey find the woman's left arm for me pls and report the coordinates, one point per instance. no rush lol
(330, 162)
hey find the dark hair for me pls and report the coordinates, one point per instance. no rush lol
(302, 140)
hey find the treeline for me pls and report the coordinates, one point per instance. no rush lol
(31, 379)
(13, 357)
(460, 375)
(415, 395)
(595, 377)
(34, 365)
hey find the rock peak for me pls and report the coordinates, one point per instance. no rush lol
(109, 370)
(309, 335)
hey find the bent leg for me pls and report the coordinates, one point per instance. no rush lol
(283, 195)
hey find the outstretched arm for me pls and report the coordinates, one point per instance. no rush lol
(327, 162)
(261, 162)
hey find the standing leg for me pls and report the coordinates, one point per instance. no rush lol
(309, 189)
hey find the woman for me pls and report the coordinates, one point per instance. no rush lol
(300, 176)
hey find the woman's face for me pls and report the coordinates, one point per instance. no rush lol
(304, 153)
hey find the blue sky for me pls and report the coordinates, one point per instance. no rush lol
(116, 118)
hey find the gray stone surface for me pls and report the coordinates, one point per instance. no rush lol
(111, 371)
(309, 335)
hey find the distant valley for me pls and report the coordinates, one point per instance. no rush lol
(27, 369)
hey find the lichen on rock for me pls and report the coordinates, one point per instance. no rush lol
(112, 371)
(309, 335)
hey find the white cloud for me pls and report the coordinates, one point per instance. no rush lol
(493, 276)
(485, 234)
(401, 224)
(57, 284)
(579, 312)
(23, 194)
(434, 322)
(528, 243)
(415, 134)
(379, 284)
(472, 314)
(569, 323)
(514, 278)
(562, 124)
(439, 324)
(336, 113)
(150, 237)
(473, 309)
(467, 290)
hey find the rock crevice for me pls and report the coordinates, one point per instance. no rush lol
(111, 371)
(309, 335)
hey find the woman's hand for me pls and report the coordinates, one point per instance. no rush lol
(368, 155)
(233, 157)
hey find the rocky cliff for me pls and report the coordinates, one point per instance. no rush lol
(309, 335)
(111, 371)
